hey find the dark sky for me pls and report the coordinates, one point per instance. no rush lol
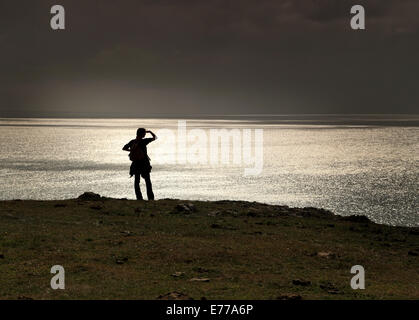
(159, 57)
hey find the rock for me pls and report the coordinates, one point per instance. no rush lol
(178, 274)
(327, 255)
(121, 260)
(192, 207)
(174, 296)
(127, 233)
(89, 196)
(253, 212)
(201, 270)
(96, 207)
(289, 297)
(413, 253)
(358, 219)
(200, 280)
(185, 208)
(414, 232)
(299, 282)
(1, 256)
(330, 288)
(60, 205)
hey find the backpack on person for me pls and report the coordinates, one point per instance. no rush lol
(136, 152)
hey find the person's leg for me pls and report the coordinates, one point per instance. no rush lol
(150, 194)
(137, 187)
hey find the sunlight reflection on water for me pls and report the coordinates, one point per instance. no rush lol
(350, 170)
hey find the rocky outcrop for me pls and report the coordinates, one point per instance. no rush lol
(89, 196)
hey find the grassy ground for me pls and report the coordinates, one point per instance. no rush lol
(120, 249)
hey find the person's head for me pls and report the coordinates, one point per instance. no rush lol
(140, 133)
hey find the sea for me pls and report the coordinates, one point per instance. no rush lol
(350, 169)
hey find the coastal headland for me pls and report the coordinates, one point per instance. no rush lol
(180, 249)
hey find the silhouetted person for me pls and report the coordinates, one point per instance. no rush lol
(140, 165)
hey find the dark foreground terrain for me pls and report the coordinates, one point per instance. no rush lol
(171, 249)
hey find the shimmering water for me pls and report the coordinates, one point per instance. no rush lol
(365, 170)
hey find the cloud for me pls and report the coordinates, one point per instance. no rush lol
(238, 54)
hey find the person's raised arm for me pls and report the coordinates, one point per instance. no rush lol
(152, 134)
